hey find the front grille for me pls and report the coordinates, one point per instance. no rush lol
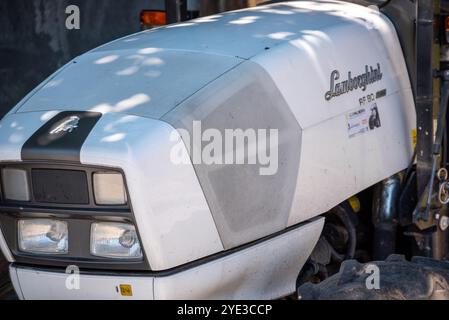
(60, 186)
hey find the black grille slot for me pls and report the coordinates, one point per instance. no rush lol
(60, 186)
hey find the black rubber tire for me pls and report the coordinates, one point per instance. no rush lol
(418, 279)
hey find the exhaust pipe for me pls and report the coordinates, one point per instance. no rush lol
(385, 216)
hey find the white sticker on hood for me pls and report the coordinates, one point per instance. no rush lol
(363, 120)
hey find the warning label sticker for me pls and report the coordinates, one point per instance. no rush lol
(362, 120)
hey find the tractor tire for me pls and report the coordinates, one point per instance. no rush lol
(398, 279)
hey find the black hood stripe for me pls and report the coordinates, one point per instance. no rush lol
(61, 138)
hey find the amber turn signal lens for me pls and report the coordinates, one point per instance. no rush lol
(152, 18)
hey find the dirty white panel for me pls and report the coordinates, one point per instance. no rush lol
(267, 270)
(34, 284)
(335, 166)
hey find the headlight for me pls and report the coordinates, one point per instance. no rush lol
(109, 188)
(43, 236)
(114, 240)
(15, 184)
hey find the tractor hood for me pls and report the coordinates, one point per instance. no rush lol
(146, 82)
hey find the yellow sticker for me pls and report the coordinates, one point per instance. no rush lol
(413, 138)
(355, 203)
(126, 290)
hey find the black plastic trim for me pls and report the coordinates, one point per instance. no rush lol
(45, 144)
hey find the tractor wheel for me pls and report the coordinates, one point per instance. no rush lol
(397, 279)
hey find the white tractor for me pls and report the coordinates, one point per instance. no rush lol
(241, 155)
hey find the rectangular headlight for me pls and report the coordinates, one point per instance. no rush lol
(15, 184)
(43, 236)
(114, 240)
(109, 188)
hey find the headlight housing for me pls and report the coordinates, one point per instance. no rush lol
(15, 184)
(114, 240)
(109, 188)
(43, 236)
